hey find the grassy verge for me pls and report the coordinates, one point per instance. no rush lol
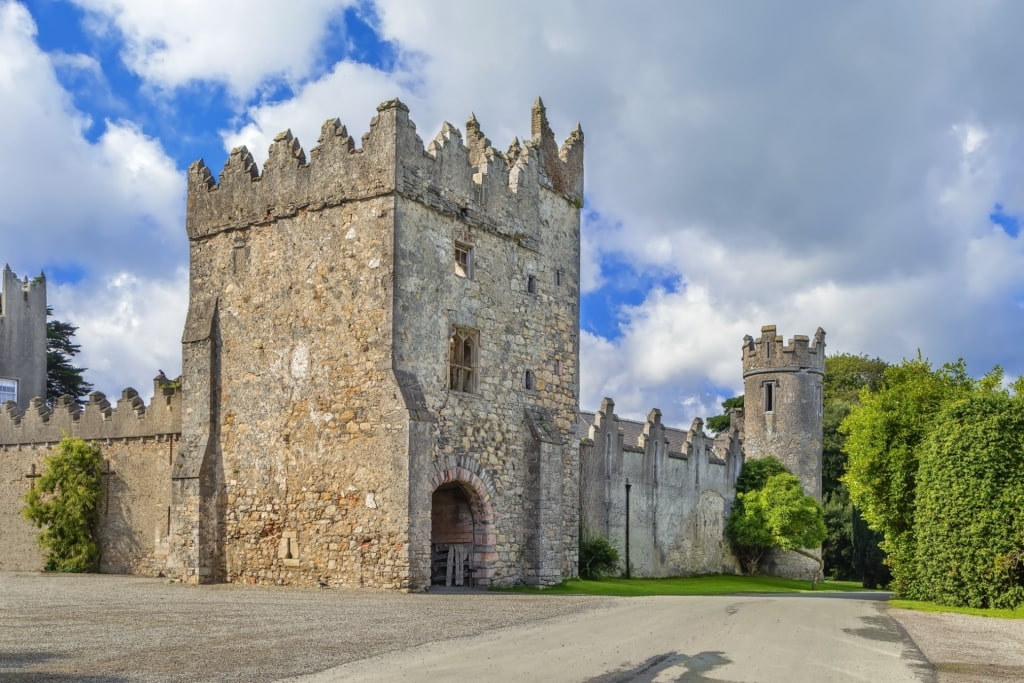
(932, 607)
(717, 584)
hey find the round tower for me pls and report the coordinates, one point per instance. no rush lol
(782, 403)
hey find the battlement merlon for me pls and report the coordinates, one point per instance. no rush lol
(768, 352)
(97, 420)
(473, 180)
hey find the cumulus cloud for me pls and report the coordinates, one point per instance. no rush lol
(829, 165)
(108, 211)
(129, 327)
(238, 43)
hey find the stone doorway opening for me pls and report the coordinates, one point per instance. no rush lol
(452, 536)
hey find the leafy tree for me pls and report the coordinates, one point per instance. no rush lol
(885, 433)
(868, 557)
(970, 501)
(837, 550)
(749, 538)
(61, 376)
(756, 473)
(782, 516)
(65, 503)
(721, 423)
(845, 376)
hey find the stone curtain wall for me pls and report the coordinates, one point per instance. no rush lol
(682, 488)
(136, 440)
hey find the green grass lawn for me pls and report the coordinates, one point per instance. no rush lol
(717, 584)
(932, 607)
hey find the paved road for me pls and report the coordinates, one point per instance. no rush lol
(112, 629)
(766, 639)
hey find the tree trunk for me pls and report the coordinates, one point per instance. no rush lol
(821, 566)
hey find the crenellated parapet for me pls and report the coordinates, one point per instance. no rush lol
(608, 433)
(768, 353)
(470, 179)
(97, 420)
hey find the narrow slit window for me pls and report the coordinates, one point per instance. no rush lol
(529, 381)
(559, 276)
(531, 284)
(464, 260)
(769, 397)
(558, 368)
(463, 352)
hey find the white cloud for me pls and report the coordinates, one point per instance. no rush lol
(240, 43)
(799, 166)
(113, 208)
(350, 92)
(129, 327)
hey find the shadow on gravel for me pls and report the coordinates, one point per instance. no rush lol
(13, 664)
(883, 629)
(669, 663)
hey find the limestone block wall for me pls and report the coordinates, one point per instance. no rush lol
(682, 485)
(137, 442)
(307, 479)
(506, 440)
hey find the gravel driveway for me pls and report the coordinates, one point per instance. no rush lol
(104, 628)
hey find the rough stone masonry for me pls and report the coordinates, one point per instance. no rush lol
(381, 385)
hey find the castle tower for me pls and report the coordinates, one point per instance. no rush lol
(22, 339)
(782, 404)
(381, 361)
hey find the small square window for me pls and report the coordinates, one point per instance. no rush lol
(531, 284)
(464, 260)
(8, 390)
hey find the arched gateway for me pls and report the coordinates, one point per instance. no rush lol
(462, 542)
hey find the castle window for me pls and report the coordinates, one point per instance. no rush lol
(559, 276)
(817, 398)
(558, 368)
(608, 454)
(464, 260)
(463, 350)
(769, 397)
(531, 284)
(8, 390)
(529, 381)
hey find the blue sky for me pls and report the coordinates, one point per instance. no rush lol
(838, 165)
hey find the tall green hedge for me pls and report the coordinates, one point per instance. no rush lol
(970, 503)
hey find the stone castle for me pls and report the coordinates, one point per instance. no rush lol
(380, 385)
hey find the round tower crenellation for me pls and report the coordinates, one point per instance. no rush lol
(783, 402)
